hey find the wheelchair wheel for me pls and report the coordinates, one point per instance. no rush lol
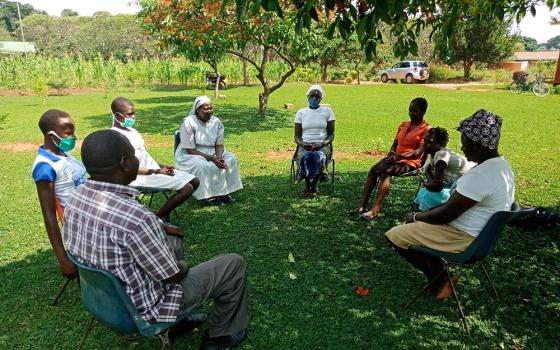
(541, 89)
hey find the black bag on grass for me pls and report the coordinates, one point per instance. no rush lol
(536, 218)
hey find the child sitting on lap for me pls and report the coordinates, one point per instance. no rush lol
(444, 169)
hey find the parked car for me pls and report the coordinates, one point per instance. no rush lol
(408, 71)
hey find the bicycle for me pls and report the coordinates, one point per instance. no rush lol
(538, 86)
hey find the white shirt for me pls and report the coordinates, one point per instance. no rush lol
(314, 123)
(137, 141)
(457, 165)
(492, 185)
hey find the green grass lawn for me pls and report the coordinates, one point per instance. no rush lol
(334, 254)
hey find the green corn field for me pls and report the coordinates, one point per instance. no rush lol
(25, 74)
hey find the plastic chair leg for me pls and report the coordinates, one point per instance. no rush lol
(86, 332)
(55, 301)
(457, 301)
(165, 342)
(489, 279)
(426, 286)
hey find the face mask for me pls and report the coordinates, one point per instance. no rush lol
(313, 102)
(65, 144)
(128, 122)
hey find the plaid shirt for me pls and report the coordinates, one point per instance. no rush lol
(106, 228)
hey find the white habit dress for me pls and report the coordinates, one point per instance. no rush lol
(214, 182)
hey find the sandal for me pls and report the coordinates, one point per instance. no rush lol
(216, 201)
(358, 211)
(367, 217)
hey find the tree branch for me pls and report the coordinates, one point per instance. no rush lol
(241, 55)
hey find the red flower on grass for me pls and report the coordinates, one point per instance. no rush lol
(364, 292)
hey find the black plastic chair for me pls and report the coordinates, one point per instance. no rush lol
(482, 246)
(104, 297)
(294, 166)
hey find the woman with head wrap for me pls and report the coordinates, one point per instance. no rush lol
(314, 133)
(484, 190)
(201, 152)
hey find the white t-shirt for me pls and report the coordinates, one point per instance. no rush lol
(66, 172)
(137, 141)
(457, 165)
(492, 185)
(314, 123)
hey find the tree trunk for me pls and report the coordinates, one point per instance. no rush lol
(467, 64)
(357, 75)
(324, 72)
(245, 67)
(263, 101)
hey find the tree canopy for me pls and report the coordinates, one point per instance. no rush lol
(207, 30)
(478, 37)
(9, 16)
(406, 19)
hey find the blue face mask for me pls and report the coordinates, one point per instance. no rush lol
(313, 102)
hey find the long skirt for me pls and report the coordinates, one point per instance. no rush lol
(312, 163)
(214, 181)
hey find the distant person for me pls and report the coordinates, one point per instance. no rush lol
(151, 173)
(105, 227)
(406, 155)
(314, 133)
(444, 169)
(56, 174)
(201, 152)
(484, 190)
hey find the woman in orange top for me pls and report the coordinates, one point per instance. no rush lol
(405, 155)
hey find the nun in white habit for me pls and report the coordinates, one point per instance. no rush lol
(201, 153)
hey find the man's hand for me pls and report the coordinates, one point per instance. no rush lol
(67, 268)
(167, 170)
(174, 231)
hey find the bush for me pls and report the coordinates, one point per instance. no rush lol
(442, 72)
(557, 90)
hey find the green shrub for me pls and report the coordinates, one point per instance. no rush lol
(440, 72)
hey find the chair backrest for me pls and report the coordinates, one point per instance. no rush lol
(487, 239)
(177, 141)
(103, 295)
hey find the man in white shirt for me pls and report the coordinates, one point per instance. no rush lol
(150, 173)
(484, 190)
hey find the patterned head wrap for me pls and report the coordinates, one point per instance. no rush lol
(199, 101)
(316, 87)
(483, 128)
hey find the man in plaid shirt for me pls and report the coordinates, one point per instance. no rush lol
(105, 227)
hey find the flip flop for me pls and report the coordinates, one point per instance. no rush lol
(367, 217)
(353, 212)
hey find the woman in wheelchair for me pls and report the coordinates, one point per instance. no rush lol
(313, 134)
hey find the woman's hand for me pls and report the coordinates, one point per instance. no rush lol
(308, 146)
(219, 162)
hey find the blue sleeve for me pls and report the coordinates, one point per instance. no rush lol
(43, 171)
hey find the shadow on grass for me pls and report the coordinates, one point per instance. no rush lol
(311, 302)
(170, 111)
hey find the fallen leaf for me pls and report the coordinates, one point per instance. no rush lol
(292, 276)
(291, 258)
(364, 292)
